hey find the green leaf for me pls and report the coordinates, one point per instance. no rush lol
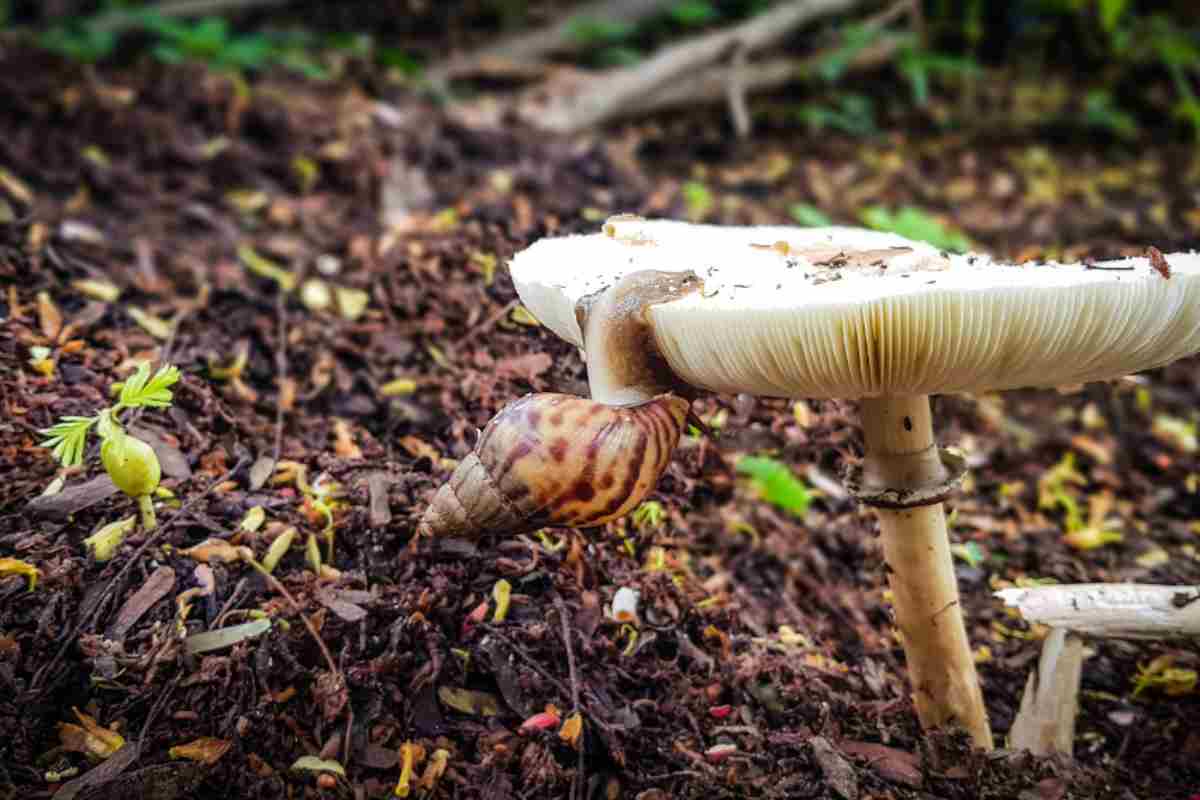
(592, 31)
(1099, 111)
(1111, 12)
(699, 199)
(68, 438)
(142, 390)
(809, 216)
(914, 223)
(776, 484)
(691, 13)
(855, 39)
(618, 56)
(854, 115)
(969, 552)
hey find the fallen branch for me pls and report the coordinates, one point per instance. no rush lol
(523, 54)
(590, 101)
(1045, 723)
(711, 86)
(1122, 610)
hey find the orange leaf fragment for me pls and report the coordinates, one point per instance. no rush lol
(571, 730)
(206, 750)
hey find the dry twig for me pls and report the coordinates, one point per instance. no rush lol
(598, 98)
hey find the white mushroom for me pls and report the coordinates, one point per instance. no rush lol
(852, 314)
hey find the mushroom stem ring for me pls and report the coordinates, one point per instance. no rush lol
(864, 488)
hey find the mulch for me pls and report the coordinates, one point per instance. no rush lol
(764, 664)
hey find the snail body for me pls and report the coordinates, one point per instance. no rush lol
(558, 460)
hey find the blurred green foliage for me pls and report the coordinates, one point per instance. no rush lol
(914, 223)
(1131, 64)
(775, 483)
(125, 28)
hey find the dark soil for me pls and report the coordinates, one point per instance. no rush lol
(153, 178)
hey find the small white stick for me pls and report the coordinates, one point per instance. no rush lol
(1046, 722)
(1122, 610)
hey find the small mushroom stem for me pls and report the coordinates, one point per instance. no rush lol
(901, 454)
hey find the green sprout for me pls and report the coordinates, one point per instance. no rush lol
(649, 515)
(130, 462)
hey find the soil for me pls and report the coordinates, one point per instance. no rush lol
(764, 664)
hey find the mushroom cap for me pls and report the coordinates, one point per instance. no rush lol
(849, 313)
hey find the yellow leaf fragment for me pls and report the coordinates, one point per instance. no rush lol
(398, 387)
(265, 268)
(343, 440)
(307, 171)
(154, 325)
(1161, 674)
(279, 546)
(316, 295)
(411, 755)
(42, 360)
(502, 594)
(314, 764)
(435, 769)
(351, 303)
(312, 553)
(218, 550)
(50, 319)
(522, 316)
(15, 187)
(471, 702)
(247, 201)
(15, 566)
(94, 289)
(253, 519)
(89, 737)
(571, 730)
(1154, 557)
(206, 750)
(96, 156)
(103, 544)
(486, 262)
(1179, 433)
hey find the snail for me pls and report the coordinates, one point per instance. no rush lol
(550, 459)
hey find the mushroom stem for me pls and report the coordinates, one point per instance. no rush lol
(901, 455)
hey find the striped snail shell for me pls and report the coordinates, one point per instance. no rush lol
(557, 460)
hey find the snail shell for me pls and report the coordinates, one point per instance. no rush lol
(557, 460)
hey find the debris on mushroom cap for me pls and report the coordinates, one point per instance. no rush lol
(847, 313)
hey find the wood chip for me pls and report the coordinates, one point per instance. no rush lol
(156, 587)
(898, 766)
(343, 608)
(380, 514)
(74, 498)
(839, 773)
(262, 469)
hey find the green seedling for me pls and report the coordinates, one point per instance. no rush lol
(130, 462)
(649, 515)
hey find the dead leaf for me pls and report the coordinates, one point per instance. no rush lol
(206, 750)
